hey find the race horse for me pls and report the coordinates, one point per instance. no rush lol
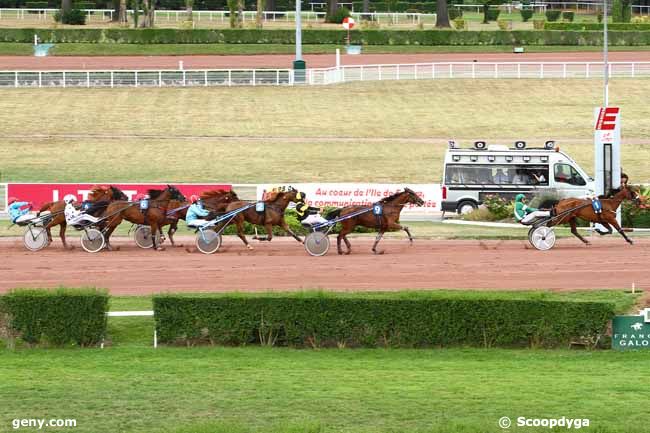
(582, 208)
(272, 215)
(99, 198)
(154, 216)
(214, 200)
(388, 220)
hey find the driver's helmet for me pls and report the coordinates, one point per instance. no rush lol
(300, 196)
(12, 200)
(69, 200)
(194, 198)
(520, 197)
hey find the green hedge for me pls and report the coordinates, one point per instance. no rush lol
(55, 317)
(596, 26)
(356, 320)
(363, 37)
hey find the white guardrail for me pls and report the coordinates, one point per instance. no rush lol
(321, 76)
(100, 15)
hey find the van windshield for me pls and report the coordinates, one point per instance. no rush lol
(494, 174)
(565, 173)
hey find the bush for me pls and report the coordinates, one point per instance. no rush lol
(599, 16)
(455, 13)
(376, 320)
(621, 11)
(526, 14)
(335, 37)
(56, 317)
(493, 14)
(597, 27)
(338, 16)
(568, 16)
(73, 17)
(539, 24)
(553, 15)
(36, 5)
(499, 206)
(459, 23)
(504, 25)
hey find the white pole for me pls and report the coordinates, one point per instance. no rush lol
(605, 62)
(180, 65)
(298, 31)
(338, 58)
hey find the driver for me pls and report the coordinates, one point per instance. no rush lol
(307, 215)
(196, 213)
(525, 214)
(19, 210)
(76, 217)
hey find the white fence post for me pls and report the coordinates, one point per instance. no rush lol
(112, 81)
(518, 70)
(205, 77)
(63, 78)
(40, 79)
(16, 79)
(473, 70)
(136, 79)
(88, 79)
(160, 83)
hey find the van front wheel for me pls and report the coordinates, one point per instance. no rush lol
(465, 207)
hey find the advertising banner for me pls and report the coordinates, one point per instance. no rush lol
(41, 193)
(362, 194)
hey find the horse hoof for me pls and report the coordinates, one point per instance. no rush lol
(379, 253)
(250, 247)
(160, 249)
(630, 242)
(347, 253)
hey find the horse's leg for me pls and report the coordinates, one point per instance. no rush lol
(110, 228)
(607, 226)
(286, 228)
(346, 228)
(240, 231)
(377, 239)
(618, 228)
(155, 228)
(62, 235)
(172, 229)
(574, 230)
(269, 232)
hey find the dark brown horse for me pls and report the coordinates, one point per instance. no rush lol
(99, 196)
(154, 216)
(273, 215)
(213, 200)
(391, 207)
(582, 208)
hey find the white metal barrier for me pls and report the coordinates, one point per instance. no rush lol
(476, 70)
(321, 76)
(148, 78)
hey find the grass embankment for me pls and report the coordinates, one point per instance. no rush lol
(131, 387)
(385, 131)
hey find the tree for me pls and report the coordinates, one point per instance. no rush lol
(188, 10)
(259, 19)
(442, 14)
(66, 6)
(121, 15)
(332, 6)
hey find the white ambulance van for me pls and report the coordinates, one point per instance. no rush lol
(472, 174)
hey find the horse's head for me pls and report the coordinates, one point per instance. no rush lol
(632, 193)
(292, 194)
(413, 198)
(230, 196)
(175, 194)
(99, 193)
(117, 194)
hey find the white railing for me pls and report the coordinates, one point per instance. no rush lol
(148, 78)
(321, 76)
(220, 16)
(476, 70)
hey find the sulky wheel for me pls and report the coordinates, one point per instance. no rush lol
(143, 239)
(35, 238)
(208, 241)
(92, 240)
(542, 238)
(317, 244)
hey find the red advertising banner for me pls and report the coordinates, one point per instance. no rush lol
(40, 193)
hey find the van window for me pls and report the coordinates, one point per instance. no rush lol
(565, 173)
(493, 174)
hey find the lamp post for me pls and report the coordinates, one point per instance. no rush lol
(605, 52)
(299, 64)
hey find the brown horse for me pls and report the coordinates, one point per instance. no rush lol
(273, 215)
(100, 196)
(391, 207)
(213, 200)
(154, 216)
(582, 208)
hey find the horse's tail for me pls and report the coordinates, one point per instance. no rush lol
(333, 214)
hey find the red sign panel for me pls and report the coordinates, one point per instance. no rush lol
(41, 193)
(607, 118)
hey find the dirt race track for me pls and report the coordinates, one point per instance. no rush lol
(284, 265)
